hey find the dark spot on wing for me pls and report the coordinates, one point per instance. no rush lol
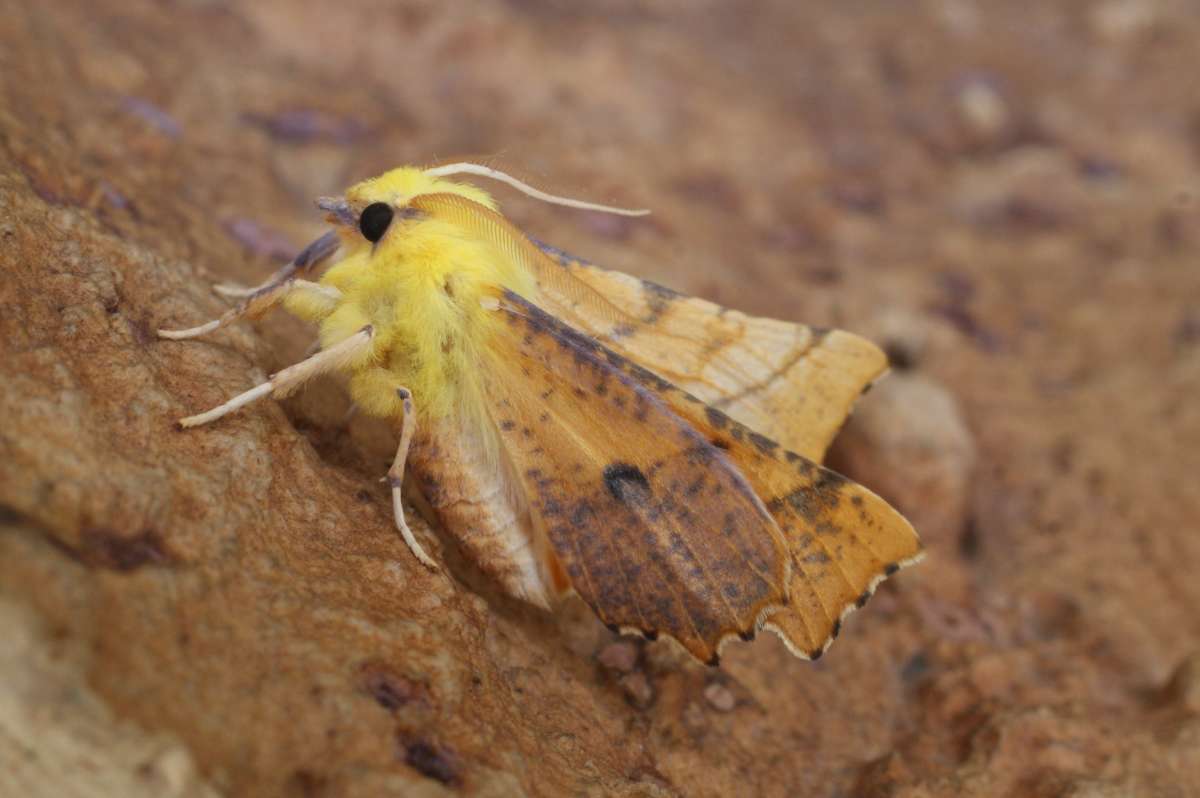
(661, 291)
(830, 480)
(716, 417)
(615, 360)
(658, 301)
(626, 483)
(622, 331)
(581, 514)
(559, 256)
(763, 443)
(648, 377)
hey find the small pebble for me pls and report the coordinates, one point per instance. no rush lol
(984, 109)
(1116, 20)
(619, 656)
(638, 690)
(719, 697)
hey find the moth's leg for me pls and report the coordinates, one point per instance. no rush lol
(259, 303)
(289, 379)
(309, 258)
(395, 477)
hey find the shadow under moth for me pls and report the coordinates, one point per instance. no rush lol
(577, 429)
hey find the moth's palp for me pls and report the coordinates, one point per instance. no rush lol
(318, 251)
(339, 209)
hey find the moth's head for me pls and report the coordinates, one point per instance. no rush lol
(369, 210)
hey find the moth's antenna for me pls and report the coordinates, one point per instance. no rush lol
(487, 171)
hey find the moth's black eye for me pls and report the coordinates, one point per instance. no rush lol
(374, 221)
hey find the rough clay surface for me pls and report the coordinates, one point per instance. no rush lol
(1008, 194)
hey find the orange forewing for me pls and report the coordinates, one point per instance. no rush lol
(656, 529)
(634, 471)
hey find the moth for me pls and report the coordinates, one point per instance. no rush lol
(579, 429)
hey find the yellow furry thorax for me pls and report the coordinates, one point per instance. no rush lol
(420, 287)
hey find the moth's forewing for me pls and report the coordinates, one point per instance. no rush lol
(642, 490)
(657, 530)
(786, 383)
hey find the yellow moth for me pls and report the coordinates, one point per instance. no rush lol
(578, 429)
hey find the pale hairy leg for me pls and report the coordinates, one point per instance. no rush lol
(289, 379)
(258, 304)
(395, 477)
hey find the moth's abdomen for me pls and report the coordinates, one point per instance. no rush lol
(477, 505)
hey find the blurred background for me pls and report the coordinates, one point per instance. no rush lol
(1004, 195)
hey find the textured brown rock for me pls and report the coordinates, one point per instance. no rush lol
(1012, 186)
(58, 740)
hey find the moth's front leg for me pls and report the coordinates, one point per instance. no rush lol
(285, 382)
(395, 477)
